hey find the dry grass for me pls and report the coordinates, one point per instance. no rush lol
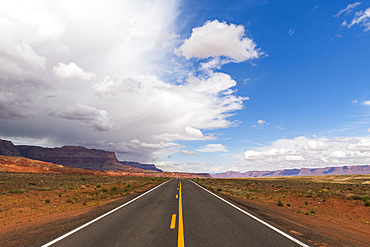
(323, 210)
(26, 196)
(305, 195)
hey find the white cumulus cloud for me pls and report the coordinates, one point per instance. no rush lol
(359, 144)
(294, 158)
(187, 152)
(71, 71)
(193, 132)
(212, 148)
(316, 145)
(306, 152)
(260, 124)
(338, 154)
(252, 155)
(120, 53)
(218, 39)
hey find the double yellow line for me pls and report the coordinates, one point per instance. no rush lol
(180, 236)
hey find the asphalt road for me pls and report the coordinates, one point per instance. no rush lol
(177, 213)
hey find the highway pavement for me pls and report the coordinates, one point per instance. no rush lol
(177, 213)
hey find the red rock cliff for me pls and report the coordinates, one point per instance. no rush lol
(7, 148)
(76, 156)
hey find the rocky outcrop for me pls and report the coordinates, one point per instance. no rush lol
(73, 159)
(25, 165)
(342, 170)
(150, 167)
(7, 148)
(75, 156)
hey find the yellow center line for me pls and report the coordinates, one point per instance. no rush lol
(180, 237)
(173, 221)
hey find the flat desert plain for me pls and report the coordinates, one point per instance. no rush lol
(323, 210)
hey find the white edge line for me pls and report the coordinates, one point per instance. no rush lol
(100, 217)
(254, 217)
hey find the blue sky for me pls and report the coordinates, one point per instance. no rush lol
(200, 86)
(311, 81)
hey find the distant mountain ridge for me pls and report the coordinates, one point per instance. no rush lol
(21, 164)
(341, 170)
(150, 167)
(74, 156)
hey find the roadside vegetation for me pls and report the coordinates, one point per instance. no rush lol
(24, 196)
(306, 195)
(322, 210)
